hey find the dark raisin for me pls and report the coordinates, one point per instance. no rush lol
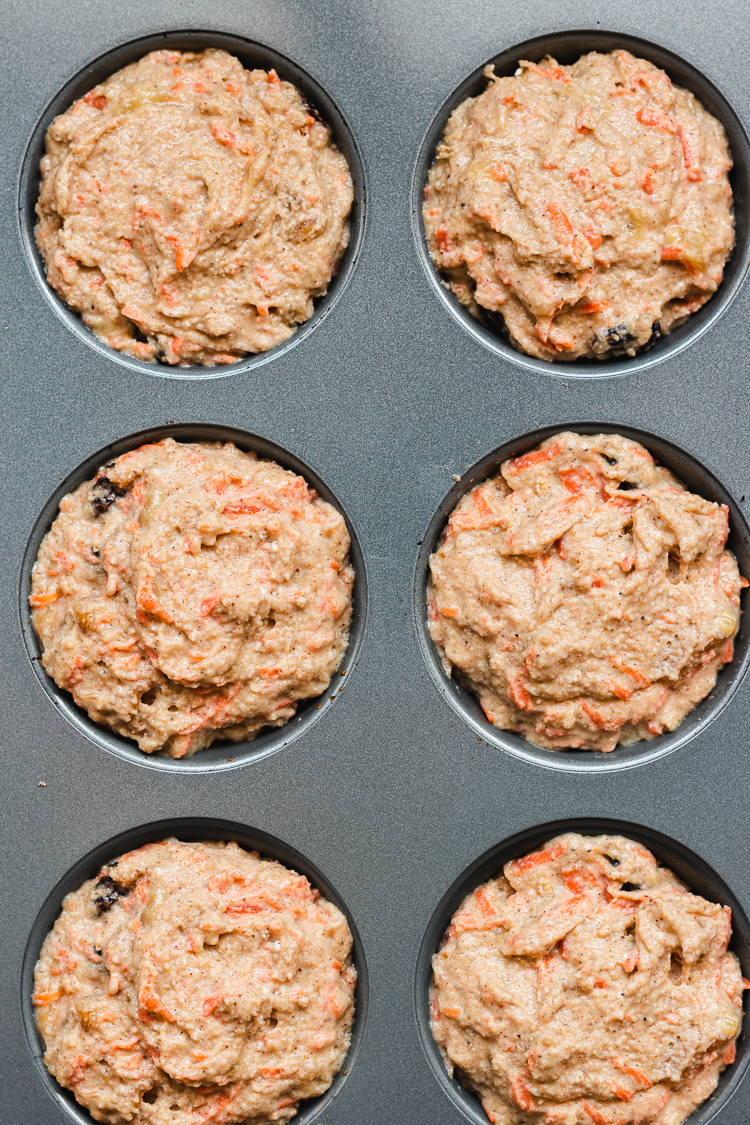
(110, 891)
(312, 110)
(620, 334)
(626, 486)
(614, 862)
(609, 460)
(107, 494)
(630, 887)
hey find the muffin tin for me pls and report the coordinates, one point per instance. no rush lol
(394, 795)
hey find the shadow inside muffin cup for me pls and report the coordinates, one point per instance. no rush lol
(222, 754)
(566, 47)
(696, 479)
(252, 55)
(187, 830)
(688, 866)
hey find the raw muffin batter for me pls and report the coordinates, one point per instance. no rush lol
(195, 983)
(585, 595)
(192, 592)
(585, 208)
(586, 985)
(190, 210)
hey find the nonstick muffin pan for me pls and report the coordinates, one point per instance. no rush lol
(394, 795)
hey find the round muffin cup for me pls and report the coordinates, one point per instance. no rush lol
(567, 47)
(188, 830)
(222, 754)
(697, 479)
(688, 866)
(252, 56)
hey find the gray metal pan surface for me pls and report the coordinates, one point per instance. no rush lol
(392, 795)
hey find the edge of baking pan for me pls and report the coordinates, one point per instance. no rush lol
(251, 54)
(698, 479)
(188, 829)
(690, 867)
(566, 46)
(222, 754)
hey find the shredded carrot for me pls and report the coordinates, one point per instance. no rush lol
(484, 903)
(519, 1091)
(98, 101)
(652, 117)
(146, 600)
(690, 155)
(538, 457)
(498, 173)
(443, 240)
(621, 1091)
(42, 999)
(594, 306)
(637, 1075)
(520, 695)
(537, 859)
(593, 238)
(480, 502)
(648, 184)
(670, 253)
(38, 600)
(210, 603)
(212, 1002)
(554, 73)
(561, 222)
(598, 719)
(148, 1001)
(225, 136)
(596, 1115)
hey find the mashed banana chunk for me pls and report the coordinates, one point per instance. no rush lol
(584, 209)
(195, 983)
(190, 592)
(191, 210)
(587, 986)
(585, 595)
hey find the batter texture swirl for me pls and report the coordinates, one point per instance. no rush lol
(585, 209)
(585, 595)
(195, 983)
(587, 986)
(192, 592)
(191, 210)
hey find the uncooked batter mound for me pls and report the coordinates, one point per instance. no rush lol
(191, 210)
(587, 986)
(584, 595)
(192, 592)
(195, 983)
(584, 209)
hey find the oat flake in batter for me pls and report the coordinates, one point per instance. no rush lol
(191, 210)
(192, 592)
(584, 595)
(584, 209)
(195, 983)
(587, 986)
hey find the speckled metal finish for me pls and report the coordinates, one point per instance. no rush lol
(391, 795)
